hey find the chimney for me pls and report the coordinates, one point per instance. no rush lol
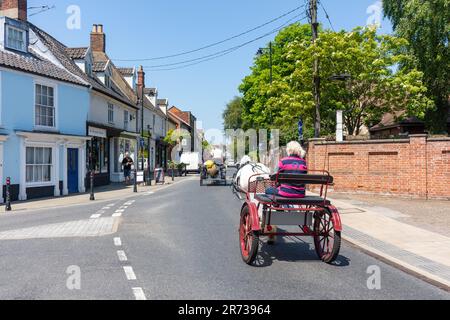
(98, 38)
(14, 9)
(141, 78)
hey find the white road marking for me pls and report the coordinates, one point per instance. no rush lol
(117, 215)
(129, 273)
(122, 256)
(123, 207)
(106, 208)
(96, 216)
(120, 210)
(117, 242)
(139, 294)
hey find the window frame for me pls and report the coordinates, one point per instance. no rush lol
(52, 166)
(54, 86)
(111, 110)
(24, 38)
(126, 119)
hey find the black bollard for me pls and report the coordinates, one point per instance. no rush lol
(135, 181)
(92, 186)
(173, 175)
(8, 194)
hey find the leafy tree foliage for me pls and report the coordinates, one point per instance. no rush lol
(232, 116)
(426, 26)
(378, 84)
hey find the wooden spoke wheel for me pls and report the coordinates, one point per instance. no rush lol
(248, 240)
(326, 239)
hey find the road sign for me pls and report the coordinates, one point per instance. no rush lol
(300, 130)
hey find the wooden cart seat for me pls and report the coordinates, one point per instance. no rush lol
(308, 200)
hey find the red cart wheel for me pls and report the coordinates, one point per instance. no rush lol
(326, 239)
(248, 240)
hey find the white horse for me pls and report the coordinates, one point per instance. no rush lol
(248, 172)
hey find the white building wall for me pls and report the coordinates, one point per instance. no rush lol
(98, 113)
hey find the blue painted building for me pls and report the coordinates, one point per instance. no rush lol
(44, 106)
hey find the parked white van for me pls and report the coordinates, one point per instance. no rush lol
(192, 160)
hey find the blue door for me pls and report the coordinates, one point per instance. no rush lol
(72, 170)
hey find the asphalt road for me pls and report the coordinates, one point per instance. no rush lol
(180, 243)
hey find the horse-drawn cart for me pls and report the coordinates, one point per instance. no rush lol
(315, 215)
(213, 173)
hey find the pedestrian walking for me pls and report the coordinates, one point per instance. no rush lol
(127, 163)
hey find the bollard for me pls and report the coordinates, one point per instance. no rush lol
(135, 181)
(92, 186)
(8, 194)
(173, 175)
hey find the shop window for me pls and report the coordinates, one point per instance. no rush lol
(122, 146)
(100, 155)
(38, 165)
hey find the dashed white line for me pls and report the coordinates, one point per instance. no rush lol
(117, 242)
(122, 256)
(139, 294)
(129, 273)
(96, 216)
(117, 215)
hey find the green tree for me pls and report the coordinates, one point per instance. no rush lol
(378, 85)
(426, 26)
(232, 116)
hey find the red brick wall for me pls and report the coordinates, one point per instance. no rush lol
(418, 167)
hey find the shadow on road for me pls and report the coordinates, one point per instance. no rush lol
(291, 251)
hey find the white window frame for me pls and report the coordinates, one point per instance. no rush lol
(55, 105)
(24, 38)
(52, 170)
(126, 119)
(111, 112)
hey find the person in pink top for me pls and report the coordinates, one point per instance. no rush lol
(295, 163)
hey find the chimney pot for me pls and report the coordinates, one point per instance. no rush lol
(98, 38)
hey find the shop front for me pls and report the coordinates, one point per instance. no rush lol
(125, 143)
(98, 155)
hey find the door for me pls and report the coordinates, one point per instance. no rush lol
(72, 170)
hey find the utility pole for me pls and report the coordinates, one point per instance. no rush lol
(271, 62)
(315, 35)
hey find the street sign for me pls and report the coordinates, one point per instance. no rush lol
(300, 130)
(140, 176)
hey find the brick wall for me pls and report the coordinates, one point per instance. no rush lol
(417, 167)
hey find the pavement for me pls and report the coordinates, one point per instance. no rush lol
(179, 242)
(373, 224)
(102, 194)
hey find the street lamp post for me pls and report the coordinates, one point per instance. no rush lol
(91, 174)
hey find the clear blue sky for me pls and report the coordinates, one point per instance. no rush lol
(143, 28)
